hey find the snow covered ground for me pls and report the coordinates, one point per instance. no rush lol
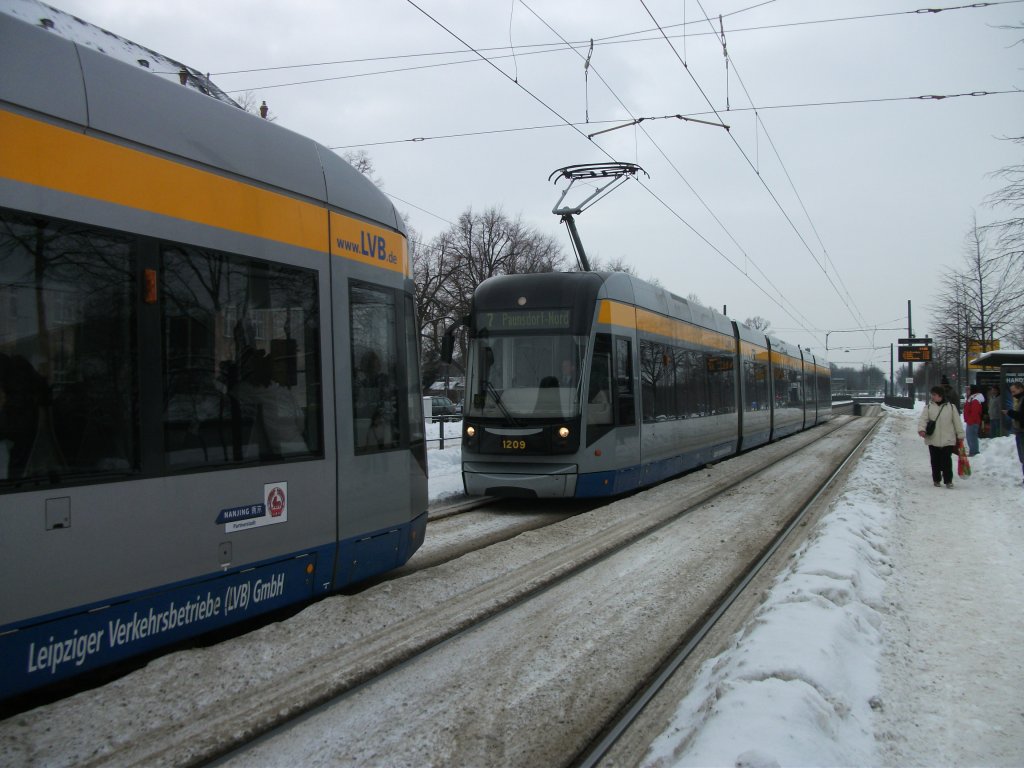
(893, 638)
(896, 637)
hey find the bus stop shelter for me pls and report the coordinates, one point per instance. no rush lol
(1001, 368)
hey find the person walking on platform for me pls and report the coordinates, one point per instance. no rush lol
(950, 393)
(973, 410)
(942, 429)
(995, 412)
(1016, 416)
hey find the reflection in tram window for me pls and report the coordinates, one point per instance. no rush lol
(241, 359)
(374, 368)
(683, 383)
(67, 368)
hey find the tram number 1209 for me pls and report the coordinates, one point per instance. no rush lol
(513, 445)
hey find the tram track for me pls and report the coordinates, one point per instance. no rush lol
(535, 743)
(545, 559)
(597, 753)
(455, 530)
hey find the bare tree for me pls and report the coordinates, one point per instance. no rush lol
(487, 244)
(432, 265)
(448, 269)
(981, 303)
(1009, 231)
(617, 264)
(758, 323)
(362, 162)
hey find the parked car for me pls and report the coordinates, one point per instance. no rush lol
(442, 409)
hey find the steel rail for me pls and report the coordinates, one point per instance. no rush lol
(600, 747)
(239, 746)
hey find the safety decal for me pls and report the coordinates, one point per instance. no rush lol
(273, 509)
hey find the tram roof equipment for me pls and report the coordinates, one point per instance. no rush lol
(611, 175)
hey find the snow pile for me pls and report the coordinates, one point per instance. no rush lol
(894, 637)
(444, 467)
(800, 680)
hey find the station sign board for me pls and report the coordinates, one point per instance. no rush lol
(915, 354)
(976, 347)
(915, 350)
(1012, 374)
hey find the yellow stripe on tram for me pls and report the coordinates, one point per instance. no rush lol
(630, 317)
(45, 155)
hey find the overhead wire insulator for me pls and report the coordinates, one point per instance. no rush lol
(586, 81)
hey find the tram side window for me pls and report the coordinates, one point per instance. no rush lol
(658, 381)
(796, 388)
(788, 387)
(241, 359)
(417, 433)
(374, 331)
(679, 401)
(599, 392)
(650, 375)
(781, 385)
(694, 399)
(625, 408)
(721, 383)
(756, 385)
(67, 361)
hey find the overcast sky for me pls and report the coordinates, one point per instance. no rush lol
(885, 188)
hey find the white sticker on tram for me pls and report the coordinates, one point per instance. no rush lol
(274, 509)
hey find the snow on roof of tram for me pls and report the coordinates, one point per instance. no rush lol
(90, 36)
(168, 117)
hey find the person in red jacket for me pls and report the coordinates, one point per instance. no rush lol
(973, 409)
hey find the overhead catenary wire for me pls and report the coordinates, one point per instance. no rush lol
(858, 315)
(754, 168)
(679, 173)
(504, 74)
(765, 277)
(514, 81)
(567, 123)
(602, 150)
(552, 47)
(691, 115)
(418, 208)
(571, 125)
(617, 39)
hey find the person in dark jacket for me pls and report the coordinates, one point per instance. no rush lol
(950, 394)
(1016, 416)
(995, 412)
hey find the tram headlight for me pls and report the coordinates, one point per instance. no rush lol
(470, 431)
(563, 432)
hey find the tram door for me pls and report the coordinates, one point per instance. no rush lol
(625, 388)
(382, 477)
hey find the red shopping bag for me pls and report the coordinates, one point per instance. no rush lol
(963, 464)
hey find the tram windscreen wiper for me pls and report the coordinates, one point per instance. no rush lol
(488, 362)
(498, 401)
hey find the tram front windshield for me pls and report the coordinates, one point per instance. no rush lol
(525, 376)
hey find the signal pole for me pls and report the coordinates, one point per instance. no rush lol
(910, 366)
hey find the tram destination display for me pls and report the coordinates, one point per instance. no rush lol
(524, 320)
